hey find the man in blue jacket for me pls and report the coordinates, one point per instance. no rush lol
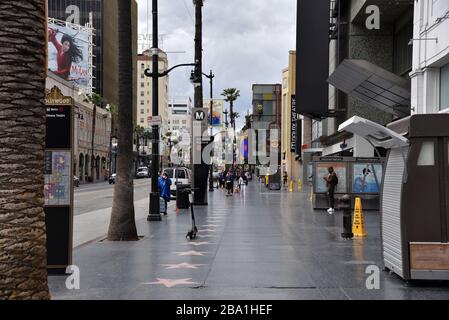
(164, 189)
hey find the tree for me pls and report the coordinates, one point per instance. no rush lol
(231, 95)
(96, 100)
(23, 257)
(122, 226)
(113, 110)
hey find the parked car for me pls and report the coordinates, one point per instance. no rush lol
(143, 172)
(112, 178)
(76, 181)
(180, 175)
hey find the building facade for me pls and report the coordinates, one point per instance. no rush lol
(430, 74)
(144, 91)
(368, 72)
(296, 129)
(82, 150)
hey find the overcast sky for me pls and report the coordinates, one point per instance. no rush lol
(244, 41)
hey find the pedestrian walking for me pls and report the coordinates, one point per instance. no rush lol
(285, 179)
(241, 182)
(164, 184)
(331, 183)
(229, 184)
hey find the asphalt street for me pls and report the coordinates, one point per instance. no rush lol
(93, 197)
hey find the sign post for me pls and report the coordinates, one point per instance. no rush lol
(58, 190)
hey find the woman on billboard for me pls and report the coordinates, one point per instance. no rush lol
(68, 53)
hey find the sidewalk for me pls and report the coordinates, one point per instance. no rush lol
(268, 245)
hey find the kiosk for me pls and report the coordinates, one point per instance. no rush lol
(415, 194)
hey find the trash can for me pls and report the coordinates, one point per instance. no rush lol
(182, 196)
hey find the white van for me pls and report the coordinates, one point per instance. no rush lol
(177, 176)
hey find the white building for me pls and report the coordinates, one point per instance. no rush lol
(430, 74)
(180, 127)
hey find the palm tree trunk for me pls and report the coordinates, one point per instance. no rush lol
(23, 258)
(93, 160)
(123, 226)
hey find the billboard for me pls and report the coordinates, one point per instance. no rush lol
(68, 53)
(218, 109)
(367, 178)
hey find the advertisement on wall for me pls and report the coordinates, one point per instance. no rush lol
(294, 124)
(218, 109)
(322, 171)
(367, 178)
(68, 54)
(57, 189)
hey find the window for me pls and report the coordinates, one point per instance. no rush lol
(142, 111)
(142, 120)
(444, 87)
(142, 102)
(181, 174)
(142, 94)
(142, 85)
(285, 83)
(427, 155)
(142, 66)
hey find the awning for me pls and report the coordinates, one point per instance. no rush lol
(377, 134)
(375, 86)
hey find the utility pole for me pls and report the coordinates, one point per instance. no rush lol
(155, 214)
(200, 170)
(211, 77)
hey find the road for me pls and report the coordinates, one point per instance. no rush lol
(93, 197)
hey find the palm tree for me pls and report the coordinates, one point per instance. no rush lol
(23, 256)
(113, 110)
(122, 226)
(231, 95)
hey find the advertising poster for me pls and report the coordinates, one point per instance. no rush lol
(57, 178)
(68, 54)
(367, 178)
(218, 109)
(321, 172)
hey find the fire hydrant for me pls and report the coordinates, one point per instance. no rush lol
(345, 205)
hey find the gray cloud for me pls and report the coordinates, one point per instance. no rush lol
(244, 42)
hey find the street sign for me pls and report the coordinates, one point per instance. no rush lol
(199, 115)
(154, 121)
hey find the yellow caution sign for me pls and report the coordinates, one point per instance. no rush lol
(291, 185)
(299, 185)
(358, 227)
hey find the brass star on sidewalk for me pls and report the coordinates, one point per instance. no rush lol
(183, 265)
(190, 253)
(169, 283)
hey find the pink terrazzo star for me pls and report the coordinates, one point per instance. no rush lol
(170, 283)
(190, 253)
(183, 265)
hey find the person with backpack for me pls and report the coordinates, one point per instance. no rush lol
(164, 184)
(331, 183)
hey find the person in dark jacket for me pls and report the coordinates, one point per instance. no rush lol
(331, 182)
(229, 184)
(164, 189)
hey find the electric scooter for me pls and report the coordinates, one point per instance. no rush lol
(192, 234)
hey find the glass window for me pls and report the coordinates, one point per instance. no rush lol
(427, 154)
(181, 174)
(444, 87)
(142, 120)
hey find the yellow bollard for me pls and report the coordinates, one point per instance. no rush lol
(266, 181)
(311, 196)
(358, 227)
(299, 185)
(291, 185)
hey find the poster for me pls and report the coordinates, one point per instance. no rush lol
(321, 172)
(68, 54)
(218, 109)
(367, 178)
(57, 189)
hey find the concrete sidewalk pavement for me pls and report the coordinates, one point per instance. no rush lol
(268, 245)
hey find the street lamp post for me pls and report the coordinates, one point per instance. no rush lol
(211, 77)
(155, 214)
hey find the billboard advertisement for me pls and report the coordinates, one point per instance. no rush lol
(218, 109)
(367, 178)
(68, 53)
